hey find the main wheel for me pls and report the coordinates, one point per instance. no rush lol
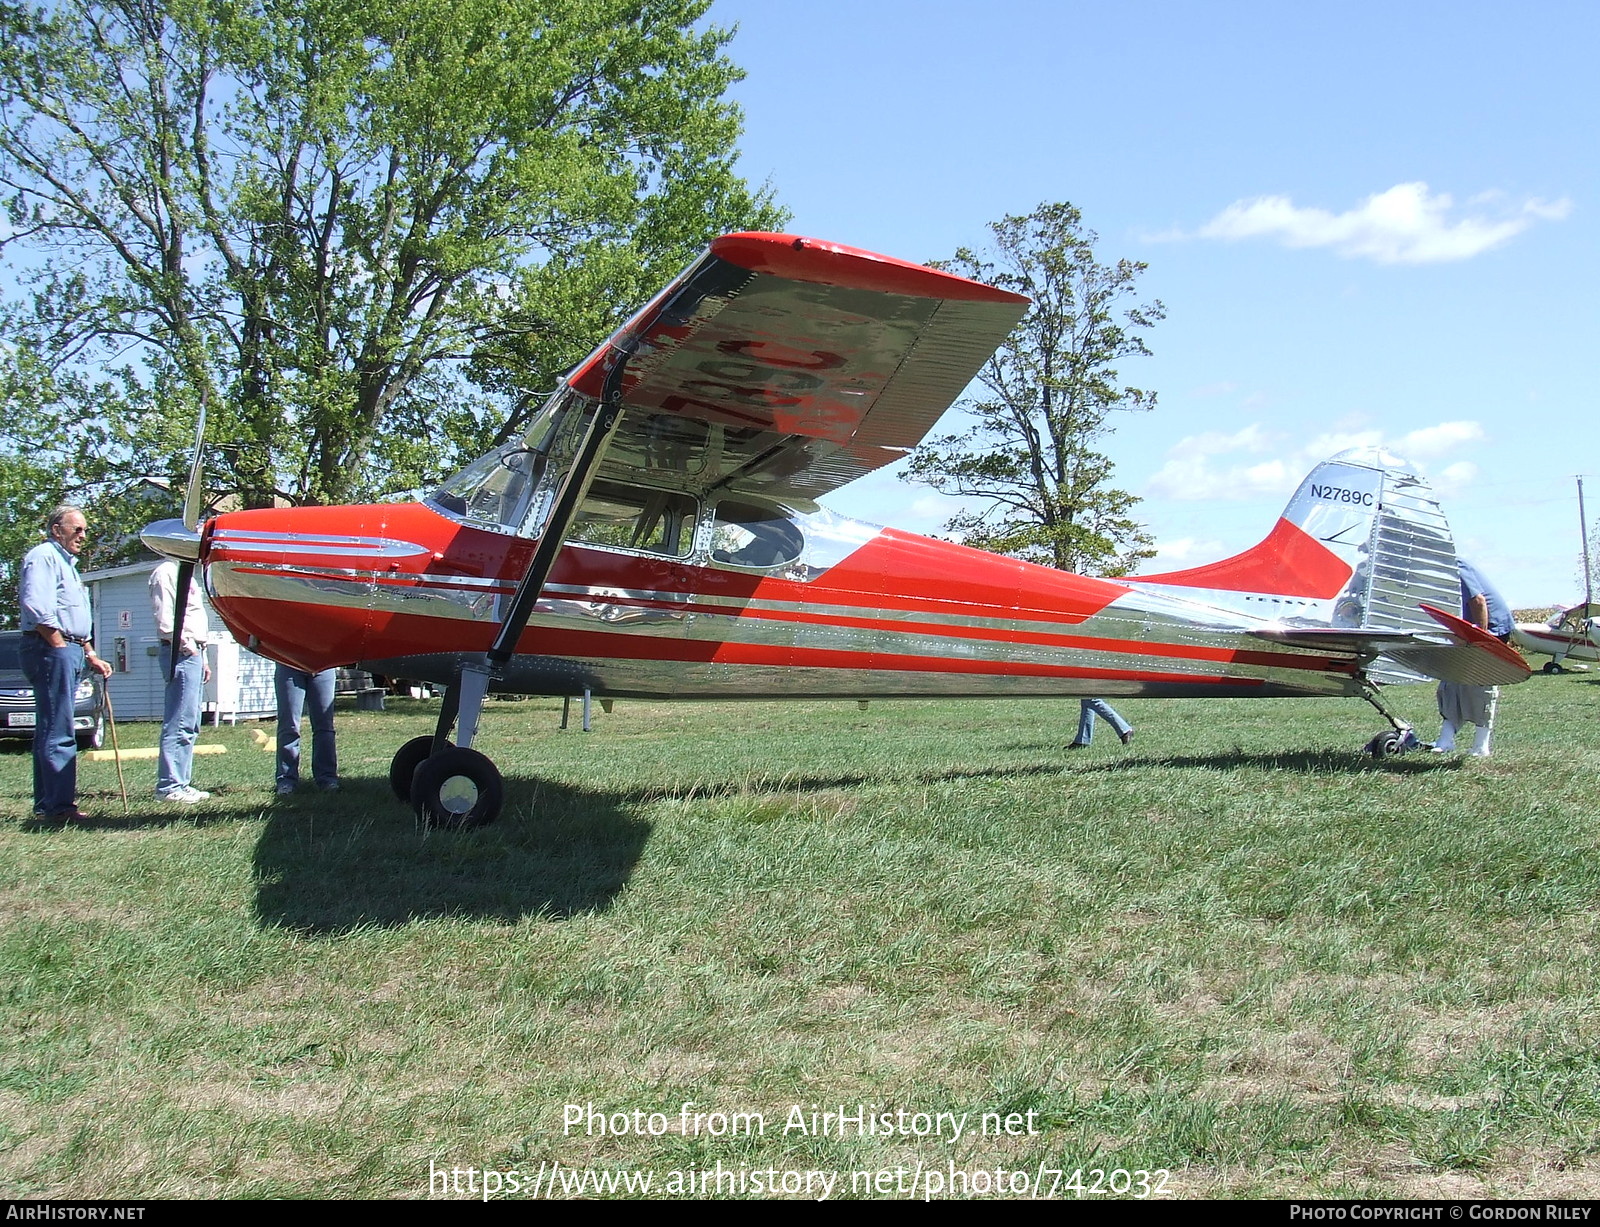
(405, 763)
(456, 789)
(1551, 666)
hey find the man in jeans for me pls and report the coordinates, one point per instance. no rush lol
(295, 687)
(180, 720)
(1088, 709)
(56, 631)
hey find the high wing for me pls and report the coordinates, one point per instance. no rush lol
(788, 366)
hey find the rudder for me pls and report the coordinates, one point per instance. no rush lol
(1362, 544)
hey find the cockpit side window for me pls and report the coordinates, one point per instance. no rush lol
(747, 535)
(635, 518)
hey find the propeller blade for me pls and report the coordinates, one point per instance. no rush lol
(181, 596)
(192, 497)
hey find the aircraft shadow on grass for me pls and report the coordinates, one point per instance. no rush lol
(1305, 762)
(566, 851)
(563, 852)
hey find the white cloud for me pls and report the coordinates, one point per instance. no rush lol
(1217, 466)
(1433, 441)
(1404, 225)
(1456, 477)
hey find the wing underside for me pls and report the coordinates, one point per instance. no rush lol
(788, 367)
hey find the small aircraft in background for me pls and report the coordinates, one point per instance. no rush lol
(1573, 634)
(655, 533)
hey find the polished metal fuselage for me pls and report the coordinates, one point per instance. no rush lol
(861, 612)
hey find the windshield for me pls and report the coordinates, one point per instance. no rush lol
(498, 491)
(489, 492)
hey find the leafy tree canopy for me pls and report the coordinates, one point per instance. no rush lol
(365, 233)
(1030, 456)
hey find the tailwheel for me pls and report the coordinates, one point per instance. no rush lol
(405, 763)
(1384, 744)
(1395, 741)
(456, 789)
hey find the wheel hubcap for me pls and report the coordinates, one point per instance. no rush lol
(458, 794)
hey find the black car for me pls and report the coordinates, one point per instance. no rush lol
(17, 716)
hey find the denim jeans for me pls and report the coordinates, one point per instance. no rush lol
(295, 687)
(180, 722)
(53, 673)
(1088, 710)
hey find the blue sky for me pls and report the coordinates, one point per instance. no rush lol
(1367, 222)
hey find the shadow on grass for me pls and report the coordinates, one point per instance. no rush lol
(796, 782)
(1305, 762)
(328, 866)
(108, 816)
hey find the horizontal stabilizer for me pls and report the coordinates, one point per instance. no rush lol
(1476, 658)
(1472, 657)
(1368, 644)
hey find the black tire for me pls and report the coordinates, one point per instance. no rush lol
(95, 737)
(456, 790)
(405, 763)
(1550, 666)
(1386, 744)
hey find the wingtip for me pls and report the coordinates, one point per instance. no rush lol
(800, 258)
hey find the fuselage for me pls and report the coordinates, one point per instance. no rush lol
(1567, 641)
(787, 602)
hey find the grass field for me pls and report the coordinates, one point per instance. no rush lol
(1236, 951)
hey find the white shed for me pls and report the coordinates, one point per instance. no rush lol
(241, 682)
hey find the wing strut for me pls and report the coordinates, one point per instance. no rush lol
(464, 699)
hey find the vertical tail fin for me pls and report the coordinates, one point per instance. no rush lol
(1362, 544)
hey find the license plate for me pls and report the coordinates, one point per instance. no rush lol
(21, 719)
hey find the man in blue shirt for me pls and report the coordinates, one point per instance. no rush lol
(1482, 606)
(56, 631)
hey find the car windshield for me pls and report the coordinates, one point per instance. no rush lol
(10, 661)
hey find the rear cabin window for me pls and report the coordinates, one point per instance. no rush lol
(634, 518)
(745, 535)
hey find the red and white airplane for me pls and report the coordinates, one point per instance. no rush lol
(655, 533)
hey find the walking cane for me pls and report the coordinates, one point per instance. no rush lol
(116, 750)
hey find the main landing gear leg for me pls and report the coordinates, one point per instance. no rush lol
(1400, 738)
(451, 787)
(455, 786)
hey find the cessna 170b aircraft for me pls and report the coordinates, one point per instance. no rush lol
(655, 533)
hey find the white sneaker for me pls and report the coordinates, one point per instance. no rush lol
(185, 796)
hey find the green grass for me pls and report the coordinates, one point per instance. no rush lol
(1236, 950)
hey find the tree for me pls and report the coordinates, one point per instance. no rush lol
(1031, 454)
(362, 234)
